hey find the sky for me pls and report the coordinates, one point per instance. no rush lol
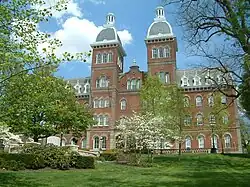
(78, 26)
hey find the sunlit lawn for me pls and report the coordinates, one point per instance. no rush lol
(200, 171)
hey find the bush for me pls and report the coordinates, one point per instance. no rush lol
(83, 162)
(109, 156)
(16, 161)
(54, 157)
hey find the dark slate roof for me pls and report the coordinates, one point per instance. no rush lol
(106, 34)
(160, 28)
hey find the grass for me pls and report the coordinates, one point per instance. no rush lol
(192, 170)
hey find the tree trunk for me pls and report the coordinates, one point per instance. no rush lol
(222, 147)
(179, 149)
(61, 136)
(35, 138)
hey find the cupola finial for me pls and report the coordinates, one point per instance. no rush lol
(160, 14)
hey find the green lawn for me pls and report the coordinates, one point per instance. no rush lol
(200, 171)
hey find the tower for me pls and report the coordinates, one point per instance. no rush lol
(161, 48)
(107, 63)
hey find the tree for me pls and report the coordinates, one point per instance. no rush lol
(177, 109)
(245, 134)
(142, 131)
(227, 22)
(218, 117)
(39, 105)
(153, 96)
(23, 47)
(245, 88)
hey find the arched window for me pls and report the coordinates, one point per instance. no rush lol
(188, 142)
(198, 101)
(96, 142)
(199, 119)
(225, 119)
(104, 142)
(101, 120)
(167, 52)
(138, 84)
(104, 58)
(99, 58)
(210, 101)
(74, 141)
(212, 119)
(101, 103)
(227, 141)
(123, 104)
(110, 57)
(186, 102)
(215, 141)
(133, 84)
(96, 103)
(105, 120)
(187, 120)
(161, 52)
(154, 53)
(128, 85)
(201, 142)
(84, 143)
(106, 103)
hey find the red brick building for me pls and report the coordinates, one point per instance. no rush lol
(113, 93)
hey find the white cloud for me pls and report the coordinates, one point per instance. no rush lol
(97, 2)
(125, 37)
(77, 34)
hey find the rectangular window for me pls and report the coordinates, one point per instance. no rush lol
(223, 100)
(110, 57)
(133, 84)
(107, 103)
(101, 103)
(162, 77)
(96, 103)
(99, 58)
(105, 58)
(155, 53)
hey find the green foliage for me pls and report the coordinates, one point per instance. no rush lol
(109, 155)
(29, 161)
(11, 165)
(54, 156)
(245, 87)
(83, 162)
(46, 106)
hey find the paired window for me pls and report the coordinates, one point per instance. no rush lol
(101, 120)
(164, 77)
(104, 58)
(101, 103)
(187, 120)
(133, 84)
(100, 143)
(161, 52)
(199, 119)
(102, 82)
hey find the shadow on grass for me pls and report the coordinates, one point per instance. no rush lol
(12, 179)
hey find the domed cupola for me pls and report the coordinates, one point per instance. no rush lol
(160, 28)
(108, 35)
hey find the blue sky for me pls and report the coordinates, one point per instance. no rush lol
(79, 26)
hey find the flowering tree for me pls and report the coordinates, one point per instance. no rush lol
(142, 131)
(7, 136)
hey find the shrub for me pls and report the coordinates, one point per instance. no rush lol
(54, 157)
(109, 156)
(83, 162)
(16, 161)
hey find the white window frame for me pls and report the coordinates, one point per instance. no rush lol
(201, 142)
(215, 141)
(107, 103)
(96, 103)
(212, 119)
(96, 143)
(210, 101)
(223, 99)
(188, 142)
(99, 58)
(228, 141)
(104, 142)
(199, 119)
(128, 84)
(154, 53)
(123, 104)
(198, 102)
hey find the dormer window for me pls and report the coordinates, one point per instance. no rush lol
(184, 81)
(197, 80)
